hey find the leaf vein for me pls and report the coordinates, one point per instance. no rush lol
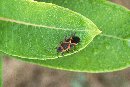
(36, 25)
(115, 37)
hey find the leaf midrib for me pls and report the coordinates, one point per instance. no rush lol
(36, 25)
(50, 27)
(115, 37)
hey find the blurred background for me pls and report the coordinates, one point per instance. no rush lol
(22, 74)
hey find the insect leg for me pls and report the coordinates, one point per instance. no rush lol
(61, 42)
(65, 38)
(57, 54)
(68, 50)
(62, 53)
(73, 34)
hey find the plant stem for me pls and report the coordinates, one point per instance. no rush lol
(1, 69)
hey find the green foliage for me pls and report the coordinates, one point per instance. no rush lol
(33, 30)
(1, 70)
(108, 52)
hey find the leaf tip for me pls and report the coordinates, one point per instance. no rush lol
(98, 32)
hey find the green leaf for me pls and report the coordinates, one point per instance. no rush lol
(1, 70)
(108, 52)
(33, 30)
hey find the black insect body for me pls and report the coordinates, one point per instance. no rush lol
(74, 41)
(68, 44)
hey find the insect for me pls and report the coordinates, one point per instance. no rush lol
(68, 44)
